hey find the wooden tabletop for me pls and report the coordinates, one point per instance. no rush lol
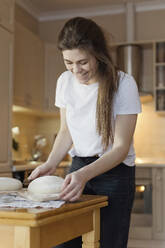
(37, 217)
(46, 228)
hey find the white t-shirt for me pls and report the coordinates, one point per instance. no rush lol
(80, 103)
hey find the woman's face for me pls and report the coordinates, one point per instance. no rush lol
(81, 64)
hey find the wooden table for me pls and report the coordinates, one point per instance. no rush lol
(43, 228)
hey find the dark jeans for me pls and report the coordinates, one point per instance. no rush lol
(119, 185)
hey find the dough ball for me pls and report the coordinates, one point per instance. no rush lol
(9, 184)
(46, 185)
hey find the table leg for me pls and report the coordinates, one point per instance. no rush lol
(26, 237)
(91, 239)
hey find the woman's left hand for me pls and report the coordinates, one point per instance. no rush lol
(73, 186)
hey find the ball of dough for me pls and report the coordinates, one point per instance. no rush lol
(9, 184)
(46, 185)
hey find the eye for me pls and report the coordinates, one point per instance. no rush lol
(84, 62)
(69, 63)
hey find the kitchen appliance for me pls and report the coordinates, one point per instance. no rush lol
(40, 143)
(143, 198)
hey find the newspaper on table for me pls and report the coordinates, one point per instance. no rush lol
(21, 199)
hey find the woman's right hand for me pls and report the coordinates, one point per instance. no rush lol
(41, 170)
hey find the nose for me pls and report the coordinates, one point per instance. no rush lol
(76, 68)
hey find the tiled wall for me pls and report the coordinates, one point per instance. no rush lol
(48, 127)
(149, 136)
(150, 133)
(30, 126)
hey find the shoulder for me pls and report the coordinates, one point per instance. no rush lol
(65, 81)
(63, 88)
(66, 75)
(126, 81)
(127, 99)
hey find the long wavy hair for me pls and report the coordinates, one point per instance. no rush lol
(83, 33)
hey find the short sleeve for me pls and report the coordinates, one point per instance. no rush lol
(60, 92)
(127, 100)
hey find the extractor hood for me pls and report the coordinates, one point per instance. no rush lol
(129, 55)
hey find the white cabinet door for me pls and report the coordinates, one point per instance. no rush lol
(36, 72)
(159, 203)
(20, 68)
(7, 14)
(54, 66)
(6, 71)
(28, 69)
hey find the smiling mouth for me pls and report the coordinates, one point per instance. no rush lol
(82, 75)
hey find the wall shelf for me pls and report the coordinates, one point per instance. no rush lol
(160, 64)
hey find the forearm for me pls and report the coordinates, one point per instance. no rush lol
(104, 163)
(75, 182)
(62, 144)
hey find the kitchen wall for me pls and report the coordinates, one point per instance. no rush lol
(49, 127)
(31, 125)
(27, 125)
(148, 25)
(149, 137)
(49, 30)
(150, 133)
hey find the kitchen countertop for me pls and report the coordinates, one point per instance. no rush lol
(140, 162)
(33, 164)
(150, 162)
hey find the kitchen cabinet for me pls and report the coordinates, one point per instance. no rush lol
(158, 176)
(28, 69)
(7, 14)
(54, 66)
(148, 217)
(6, 80)
(159, 75)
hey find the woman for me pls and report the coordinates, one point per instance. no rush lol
(98, 107)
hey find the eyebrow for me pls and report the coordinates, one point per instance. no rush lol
(67, 60)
